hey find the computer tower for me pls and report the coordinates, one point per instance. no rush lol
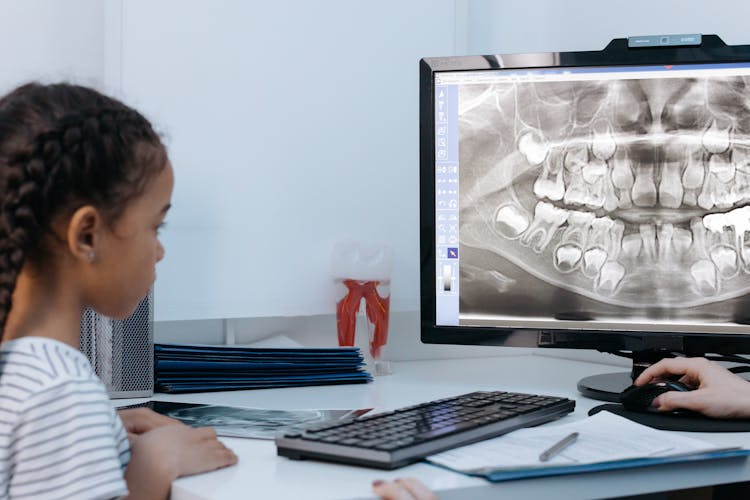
(122, 351)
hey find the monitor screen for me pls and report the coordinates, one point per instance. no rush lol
(611, 196)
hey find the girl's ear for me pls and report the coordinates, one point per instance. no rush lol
(84, 233)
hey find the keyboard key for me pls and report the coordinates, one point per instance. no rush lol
(350, 441)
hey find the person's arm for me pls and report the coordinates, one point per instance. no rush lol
(402, 489)
(160, 456)
(718, 392)
(64, 443)
(140, 420)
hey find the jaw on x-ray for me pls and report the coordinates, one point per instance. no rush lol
(617, 197)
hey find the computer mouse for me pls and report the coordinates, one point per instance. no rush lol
(639, 398)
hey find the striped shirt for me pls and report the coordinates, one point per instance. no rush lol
(59, 434)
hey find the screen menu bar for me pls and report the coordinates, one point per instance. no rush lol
(446, 204)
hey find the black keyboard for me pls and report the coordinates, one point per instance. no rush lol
(396, 438)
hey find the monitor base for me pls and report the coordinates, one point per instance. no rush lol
(605, 387)
(685, 422)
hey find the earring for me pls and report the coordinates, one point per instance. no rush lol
(90, 256)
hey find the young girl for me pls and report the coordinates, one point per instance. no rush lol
(85, 184)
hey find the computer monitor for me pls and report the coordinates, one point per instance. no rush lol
(594, 200)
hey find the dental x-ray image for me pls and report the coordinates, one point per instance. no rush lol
(608, 199)
(254, 423)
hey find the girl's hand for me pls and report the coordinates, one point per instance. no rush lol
(165, 453)
(180, 450)
(403, 489)
(718, 392)
(139, 420)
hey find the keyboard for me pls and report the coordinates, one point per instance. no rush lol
(396, 438)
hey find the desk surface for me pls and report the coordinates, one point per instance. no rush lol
(261, 474)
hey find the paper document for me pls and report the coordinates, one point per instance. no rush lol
(277, 342)
(604, 437)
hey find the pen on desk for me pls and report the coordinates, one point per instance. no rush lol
(558, 447)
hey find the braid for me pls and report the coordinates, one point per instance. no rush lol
(19, 226)
(63, 146)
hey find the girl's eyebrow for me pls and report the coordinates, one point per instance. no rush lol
(166, 207)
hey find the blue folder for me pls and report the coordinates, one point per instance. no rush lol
(497, 476)
(183, 368)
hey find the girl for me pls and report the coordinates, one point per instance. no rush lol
(85, 184)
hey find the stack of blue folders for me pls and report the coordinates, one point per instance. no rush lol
(198, 368)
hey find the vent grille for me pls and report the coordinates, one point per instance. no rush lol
(122, 351)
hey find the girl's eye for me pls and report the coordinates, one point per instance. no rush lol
(160, 227)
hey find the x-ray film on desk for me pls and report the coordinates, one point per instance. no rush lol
(610, 196)
(256, 423)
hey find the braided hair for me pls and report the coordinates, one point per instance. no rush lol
(64, 146)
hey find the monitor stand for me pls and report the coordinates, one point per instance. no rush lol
(605, 387)
(608, 386)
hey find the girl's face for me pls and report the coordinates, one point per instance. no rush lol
(130, 250)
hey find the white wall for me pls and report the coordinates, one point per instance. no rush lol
(291, 125)
(499, 26)
(52, 40)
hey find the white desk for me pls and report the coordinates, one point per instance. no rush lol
(261, 474)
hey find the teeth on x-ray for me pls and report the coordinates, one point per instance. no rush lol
(670, 188)
(681, 241)
(715, 190)
(594, 175)
(692, 179)
(644, 188)
(703, 271)
(547, 218)
(633, 187)
(569, 251)
(598, 246)
(550, 182)
(717, 137)
(610, 277)
(511, 221)
(648, 237)
(664, 237)
(533, 147)
(631, 246)
(611, 272)
(603, 144)
(622, 179)
(722, 252)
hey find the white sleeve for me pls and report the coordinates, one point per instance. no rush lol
(66, 444)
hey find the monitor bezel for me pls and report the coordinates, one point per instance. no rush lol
(617, 53)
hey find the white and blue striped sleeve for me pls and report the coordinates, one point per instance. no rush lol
(67, 445)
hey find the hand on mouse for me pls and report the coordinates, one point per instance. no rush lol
(718, 392)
